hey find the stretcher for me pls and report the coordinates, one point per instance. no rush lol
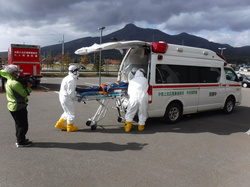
(103, 98)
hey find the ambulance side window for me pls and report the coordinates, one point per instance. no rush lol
(176, 74)
(230, 75)
(209, 74)
(161, 74)
(193, 74)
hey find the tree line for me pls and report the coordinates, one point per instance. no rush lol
(64, 60)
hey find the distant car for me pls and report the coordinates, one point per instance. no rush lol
(245, 80)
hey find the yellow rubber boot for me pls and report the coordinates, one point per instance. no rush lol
(60, 124)
(128, 126)
(141, 127)
(71, 127)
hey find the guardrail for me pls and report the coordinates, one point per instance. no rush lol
(82, 74)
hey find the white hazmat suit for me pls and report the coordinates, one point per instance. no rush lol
(138, 100)
(67, 96)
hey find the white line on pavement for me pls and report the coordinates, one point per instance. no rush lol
(44, 87)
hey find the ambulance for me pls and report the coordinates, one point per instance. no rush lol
(182, 80)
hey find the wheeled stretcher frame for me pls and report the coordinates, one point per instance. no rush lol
(104, 98)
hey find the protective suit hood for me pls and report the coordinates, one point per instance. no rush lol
(131, 74)
(74, 75)
(134, 69)
(139, 73)
(73, 71)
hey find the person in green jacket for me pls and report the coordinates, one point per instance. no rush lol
(17, 97)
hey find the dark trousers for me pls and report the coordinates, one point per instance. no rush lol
(3, 83)
(21, 122)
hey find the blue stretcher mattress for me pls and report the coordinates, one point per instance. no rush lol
(114, 89)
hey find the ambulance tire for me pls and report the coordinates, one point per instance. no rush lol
(173, 113)
(229, 105)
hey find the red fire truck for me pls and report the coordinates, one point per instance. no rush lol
(27, 58)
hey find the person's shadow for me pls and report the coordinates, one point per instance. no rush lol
(104, 146)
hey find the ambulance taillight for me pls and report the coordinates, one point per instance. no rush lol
(150, 92)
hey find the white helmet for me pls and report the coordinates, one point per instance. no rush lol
(11, 68)
(73, 68)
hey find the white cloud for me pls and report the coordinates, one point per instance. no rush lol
(234, 39)
(43, 22)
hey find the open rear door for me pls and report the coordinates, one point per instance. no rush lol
(109, 46)
(136, 56)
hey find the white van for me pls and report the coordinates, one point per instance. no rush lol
(182, 80)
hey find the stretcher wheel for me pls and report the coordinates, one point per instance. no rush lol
(88, 123)
(93, 127)
(119, 119)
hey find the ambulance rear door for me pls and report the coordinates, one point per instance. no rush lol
(136, 55)
(109, 46)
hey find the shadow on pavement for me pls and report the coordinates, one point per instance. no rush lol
(212, 122)
(105, 146)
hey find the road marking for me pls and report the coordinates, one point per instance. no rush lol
(44, 87)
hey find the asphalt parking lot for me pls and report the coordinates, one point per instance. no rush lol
(208, 149)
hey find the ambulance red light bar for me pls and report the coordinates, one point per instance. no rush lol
(221, 56)
(159, 47)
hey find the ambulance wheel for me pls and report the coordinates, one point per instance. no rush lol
(229, 105)
(93, 127)
(173, 113)
(88, 123)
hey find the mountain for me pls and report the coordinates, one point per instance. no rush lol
(132, 32)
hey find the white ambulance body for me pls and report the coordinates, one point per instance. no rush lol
(182, 80)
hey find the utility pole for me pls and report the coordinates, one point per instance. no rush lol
(63, 44)
(221, 52)
(100, 58)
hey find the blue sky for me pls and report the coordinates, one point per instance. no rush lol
(45, 22)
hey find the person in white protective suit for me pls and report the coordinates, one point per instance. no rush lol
(138, 101)
(67, 96)
(131, 74)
